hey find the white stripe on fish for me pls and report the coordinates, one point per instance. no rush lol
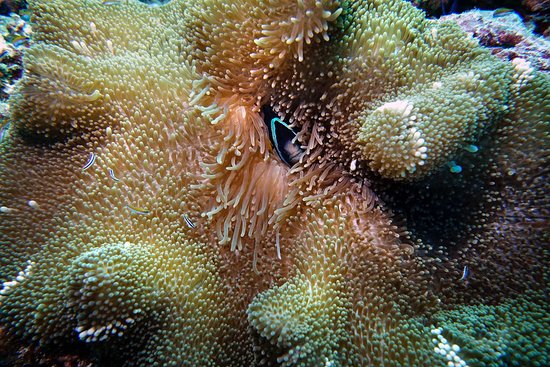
(188, 221)
(112, 174)
(465, 273)
(90, 162)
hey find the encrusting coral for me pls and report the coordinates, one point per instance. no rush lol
(147, 218)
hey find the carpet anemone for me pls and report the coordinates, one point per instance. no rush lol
(271, 183)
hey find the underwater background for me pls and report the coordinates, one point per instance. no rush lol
(274, 183)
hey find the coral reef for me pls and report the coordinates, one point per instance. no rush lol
(506, 36)
(13, 354)
(14, 38)
(9, 6)
(533, 12)
(148, 217)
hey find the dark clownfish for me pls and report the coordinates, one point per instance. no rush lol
(282, 137)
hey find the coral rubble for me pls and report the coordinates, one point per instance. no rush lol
(533, 12)
(148, 218)
(506, 36)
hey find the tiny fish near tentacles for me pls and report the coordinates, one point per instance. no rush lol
(465, 273)
(4, 131)
(188, 221)
(90, 162)
(137, 210)
(112, 175)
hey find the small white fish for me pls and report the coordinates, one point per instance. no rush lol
(90, 162)
(453, 167)
(112, 174)
(136, 210)
(188, 221)
(471, 148)
(111, 2)
(4, 131)
(465, 273)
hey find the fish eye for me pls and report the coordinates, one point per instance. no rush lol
(282, 137)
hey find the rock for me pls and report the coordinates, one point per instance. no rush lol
(506, 35)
